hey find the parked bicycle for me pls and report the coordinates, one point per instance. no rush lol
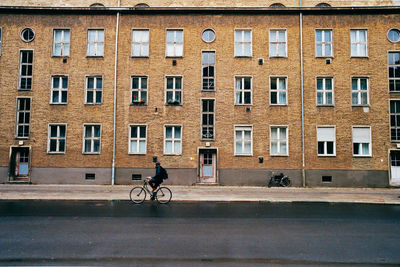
(279, 180)
(138, 193)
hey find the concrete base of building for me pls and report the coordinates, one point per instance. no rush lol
(247, 177)
(3, 174)
(97, 176)
(347, 178)
(136, 175)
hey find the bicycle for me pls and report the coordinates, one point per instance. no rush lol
(138, 193)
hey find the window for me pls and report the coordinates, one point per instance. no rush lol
(323, 43)
(243, 140)
(277, 43)
(359, 41)
(23, 117)
(208, 70)
(277, 5)
(278, 87)
(59, 89)
(174, 43)
(174, 90)
(27, 35)
(323, 5)
(92, 138)
(361, 141)
(61, 43)
(243, 90)
(1, 35)
(208, 36)
(57, 138)
(394, 71)
(279, 141)
(207, 119)
(395, 120)
(173, 140)
(324, 91)
(326, 141)
(25, 70)
(243, 41)
(393, 35)
(95, 44)
(94, 88)
(137, 139)
(359, 91)
(140, 43)
(139, 90)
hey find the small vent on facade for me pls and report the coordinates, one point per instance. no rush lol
(260, 61)
(90, 176)
(328, 61)
(174, 62)
(136, 177)
(327, 179)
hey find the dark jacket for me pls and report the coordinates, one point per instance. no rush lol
(159, 175)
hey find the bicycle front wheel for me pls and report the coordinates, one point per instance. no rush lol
(137, 195)
(163, 195)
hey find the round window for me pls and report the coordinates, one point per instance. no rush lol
(394, 35)
(27, 35)
(208, 36)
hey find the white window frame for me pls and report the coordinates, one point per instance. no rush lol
(97, 43)
(395, 122)
(324, 91)
(57, 138)
(279, 141)
(207, 125)
(138, 139)
(142, 43)
(95, 90)
(173, 139)
(173, 90)
(325, 154)
(174, 43)
(395, 78)
(17, 124)
(241, 91)
(275, 41)
(358, 43)
(91, 138)
(63, 43)
(1, 39)
(243, 129)
(20, 76)
(278, 91)
(140, 90)
(359, 92)
(323, 43)
(360, 143)
(242, 43)
(60, 89)
(203, 65)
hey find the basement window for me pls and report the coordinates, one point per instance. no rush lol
(136, 177)
(90, 176)
(327, 179)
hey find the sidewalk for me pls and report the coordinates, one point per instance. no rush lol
(204, 193)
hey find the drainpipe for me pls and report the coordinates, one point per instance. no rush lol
(303, 176)
(115, 96)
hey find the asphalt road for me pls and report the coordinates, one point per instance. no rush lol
(118, 233)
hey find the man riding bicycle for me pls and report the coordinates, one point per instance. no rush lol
(156, 180)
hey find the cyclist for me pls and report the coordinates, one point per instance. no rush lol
(156, 180)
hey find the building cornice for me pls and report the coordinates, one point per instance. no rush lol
(201, 10)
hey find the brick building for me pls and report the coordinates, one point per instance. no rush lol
(223, 95)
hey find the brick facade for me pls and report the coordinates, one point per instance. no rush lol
(71, 166)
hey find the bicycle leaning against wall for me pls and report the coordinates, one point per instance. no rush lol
(138, 193)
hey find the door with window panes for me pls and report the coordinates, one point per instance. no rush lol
(208, 165)
(395, 167)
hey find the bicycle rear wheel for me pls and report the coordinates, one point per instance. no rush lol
(286, 182)
(163, 195)
(137, 195)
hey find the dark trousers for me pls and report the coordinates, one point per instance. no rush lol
(154, 183)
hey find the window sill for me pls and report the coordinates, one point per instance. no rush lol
(19, 89)
(326, 106)
(361, 57)
(94, 56)
(327, 156)
(90, 153)
(137, 154)
(212, 91)
(93, 104)
(145, 57)
(360, 106)
(279, 105)
(173, 56)
(243, 155)
(241, 105)
(324, 57)
(21, 138)
(279, 155)
(243, 56)
(284, 57)
(362, 156)
(172, 154)
(138, 104)
(55, 153)
(174, 105)
(53, 56)
(58, 104)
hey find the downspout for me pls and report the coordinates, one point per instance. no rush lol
(115, 96)
(303, 176)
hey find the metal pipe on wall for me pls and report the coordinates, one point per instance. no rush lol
(303, 176)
